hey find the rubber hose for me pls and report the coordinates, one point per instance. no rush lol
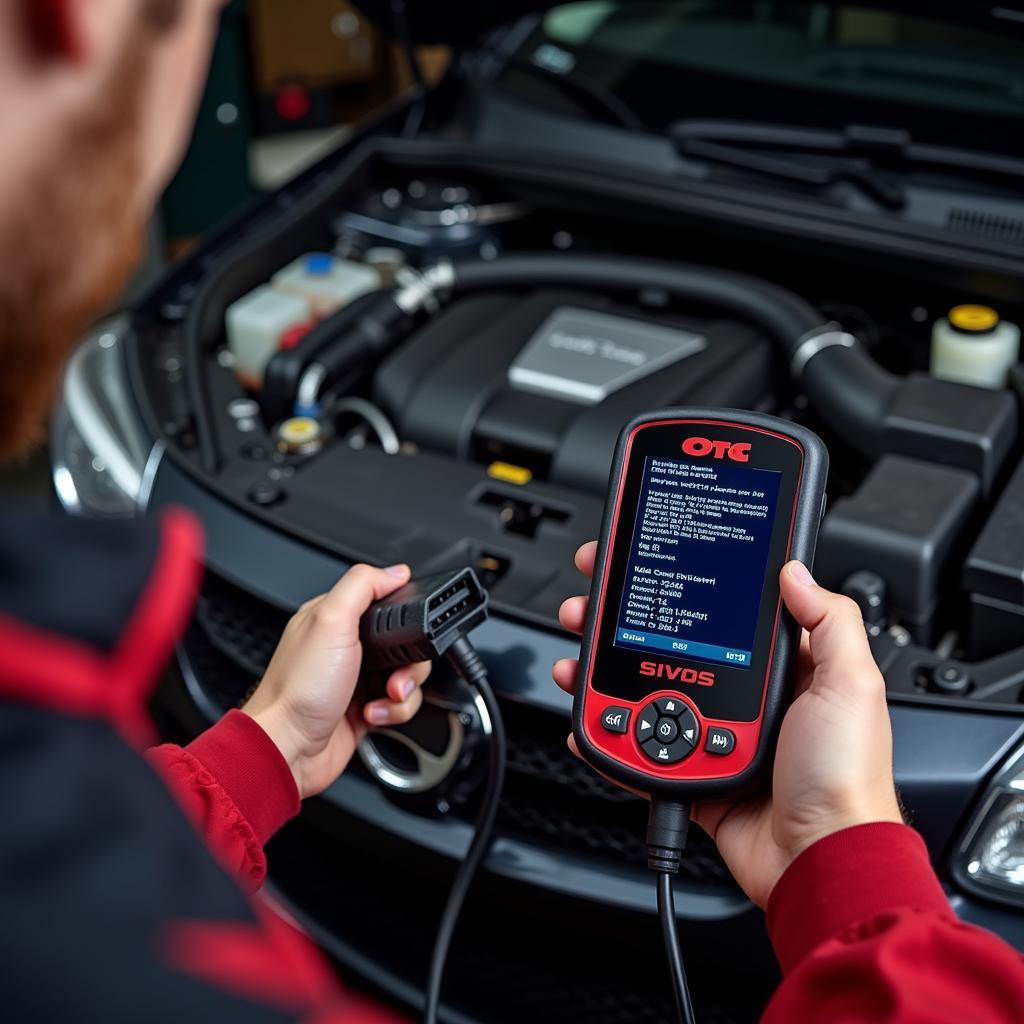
(844, 385)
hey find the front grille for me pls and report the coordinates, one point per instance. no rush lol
(511, 961)
(551, 797)
(242, 627)
(551, 794)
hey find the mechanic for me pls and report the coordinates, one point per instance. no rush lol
(113, 908)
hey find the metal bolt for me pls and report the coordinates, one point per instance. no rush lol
(227, 114)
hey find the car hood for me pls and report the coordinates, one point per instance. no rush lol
(460, 24)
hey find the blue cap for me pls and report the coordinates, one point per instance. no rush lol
(319, 263)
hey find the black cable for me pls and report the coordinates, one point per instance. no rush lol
(667, 828)
(470, 666)
(667, 916)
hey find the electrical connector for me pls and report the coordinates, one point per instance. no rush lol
(421, 620)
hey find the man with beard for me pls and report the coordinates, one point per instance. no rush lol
(111, 907)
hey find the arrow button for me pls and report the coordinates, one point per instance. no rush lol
(645, 723)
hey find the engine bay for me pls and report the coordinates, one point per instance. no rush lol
(417, 356)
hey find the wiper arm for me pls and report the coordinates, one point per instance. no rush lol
(860, 147)
(857, 172)
(742, 145)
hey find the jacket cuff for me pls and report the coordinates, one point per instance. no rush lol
(848, 878)
(251, 770)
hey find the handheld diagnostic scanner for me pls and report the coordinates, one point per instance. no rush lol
(688, 655)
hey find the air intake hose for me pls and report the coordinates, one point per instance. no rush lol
(873, 410)
(843, 383)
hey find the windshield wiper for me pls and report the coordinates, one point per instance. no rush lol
(854, 154)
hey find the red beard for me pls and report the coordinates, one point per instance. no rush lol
(66, 252)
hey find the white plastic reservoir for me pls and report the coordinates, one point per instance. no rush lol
(973, 346)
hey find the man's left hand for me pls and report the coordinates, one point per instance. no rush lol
(305, 700)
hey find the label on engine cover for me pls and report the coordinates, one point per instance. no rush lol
(582, 356)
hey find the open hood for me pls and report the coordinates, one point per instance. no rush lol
(460, 24)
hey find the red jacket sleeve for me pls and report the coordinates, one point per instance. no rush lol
(863, 932)
(237, 789)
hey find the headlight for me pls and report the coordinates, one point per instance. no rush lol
(97, 444)
(991, 857)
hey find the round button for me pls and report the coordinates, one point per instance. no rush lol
(666, 730)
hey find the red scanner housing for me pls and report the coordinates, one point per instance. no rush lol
(688, 655)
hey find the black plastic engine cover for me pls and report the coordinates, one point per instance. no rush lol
(449, 390)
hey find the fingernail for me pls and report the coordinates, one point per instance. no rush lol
(405, 687)
(397, 570)
(801, 574)
(378, 715)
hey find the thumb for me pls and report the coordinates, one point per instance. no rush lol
(834, 622)
(343, 606)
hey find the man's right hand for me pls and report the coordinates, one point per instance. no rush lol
(833, 766)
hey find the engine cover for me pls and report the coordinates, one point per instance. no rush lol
(548, 379)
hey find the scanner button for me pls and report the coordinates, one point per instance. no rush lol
(689, 730)
(645, 723)
(666, 730)
(616, 719)
(667, 753)
(719, 741)
(671, 706)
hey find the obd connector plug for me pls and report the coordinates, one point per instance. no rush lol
(421, 620)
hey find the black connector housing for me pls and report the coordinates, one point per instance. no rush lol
(906, 522)
(954, 425)
(421, 620)
(993, 575)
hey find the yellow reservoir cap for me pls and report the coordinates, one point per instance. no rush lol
(507, 473)
(301, 435)
(973, 318)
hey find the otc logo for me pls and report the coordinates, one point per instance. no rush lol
(676, 673)
(738, 451)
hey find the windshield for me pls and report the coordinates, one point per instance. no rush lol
(827, 65)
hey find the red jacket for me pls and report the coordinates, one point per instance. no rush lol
(859, 922)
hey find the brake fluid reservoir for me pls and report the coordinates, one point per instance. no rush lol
(256, 326)
(326, 282)
(973, 346)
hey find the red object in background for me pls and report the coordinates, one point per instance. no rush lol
(292, 102)
(294, 335)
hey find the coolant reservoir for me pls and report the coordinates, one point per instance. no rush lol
(326, 282)
(973, 346)
(256, 325)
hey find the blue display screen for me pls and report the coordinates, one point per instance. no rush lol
(697, 560)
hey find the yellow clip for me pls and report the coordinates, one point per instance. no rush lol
(509, 474)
